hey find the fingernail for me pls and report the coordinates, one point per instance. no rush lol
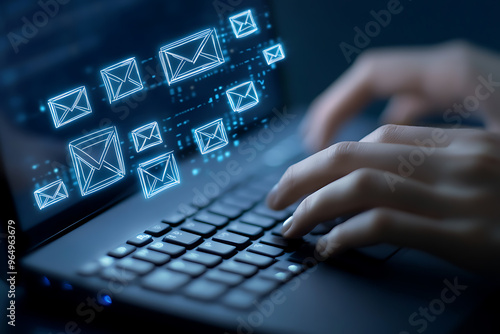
(321, 246)
(286, 225)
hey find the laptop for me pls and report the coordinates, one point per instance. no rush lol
(138, 143)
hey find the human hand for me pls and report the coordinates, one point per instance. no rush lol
(442, 200)
(455, 77)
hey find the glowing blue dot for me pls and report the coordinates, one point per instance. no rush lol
(105, 300)
(42, 108)
(196, 171)
(67, 286)
(45, 281)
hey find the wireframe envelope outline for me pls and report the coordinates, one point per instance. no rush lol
(242, 97)
(97, 160)
(191, 55)
(50, 194)
(158, 174)
(146, 136)
(121, 79)
(273, 54)
(243, 24)
(69, 106)
(211, 136)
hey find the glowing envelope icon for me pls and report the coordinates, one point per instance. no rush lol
(190, 56)
(97, 160)
(158, 174)
(211, 136)
(51, 194)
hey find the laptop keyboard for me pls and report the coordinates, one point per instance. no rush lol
(229, 250)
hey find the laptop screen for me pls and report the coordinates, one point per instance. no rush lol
(102, 99)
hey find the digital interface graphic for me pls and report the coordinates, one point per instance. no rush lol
(51, 194)
(243, 97)
(243, 24)
(158, 174)
(146, 136)
(97, 160)
(69, 106)
(274, 54)
(121, 79)
(211, 136)
(191, 55)
(195, 97)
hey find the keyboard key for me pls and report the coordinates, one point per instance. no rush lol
(89, 269)
(226, 210)
(224, 277)
(106, 261)
(157, 230)
(319, 230)
(174, 219)
(260, 261)
(117, 275)
(190, 268)
(305, 255)
(379, 252)
(137, 266)
(167, 248)
(265, 250)
(263, 210)
(259, 286)
(184, 239)
(251, 231)
(205, 290)
(280, 276)
(253, 219)
(152, 256)
(236, 240)
(292, 267)
(257, 187)
(208, 260)
(240, 202)
(205, 230)
(239, 268)
(140, 240)
(163, 280)
(200, 202)
(281, 242)
(122, 251)
(212, 219)
(217, 248)
(187, 210)
(277, 230)
(248, 194)
(239, 299)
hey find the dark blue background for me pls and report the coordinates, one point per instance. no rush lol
(313, 31)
